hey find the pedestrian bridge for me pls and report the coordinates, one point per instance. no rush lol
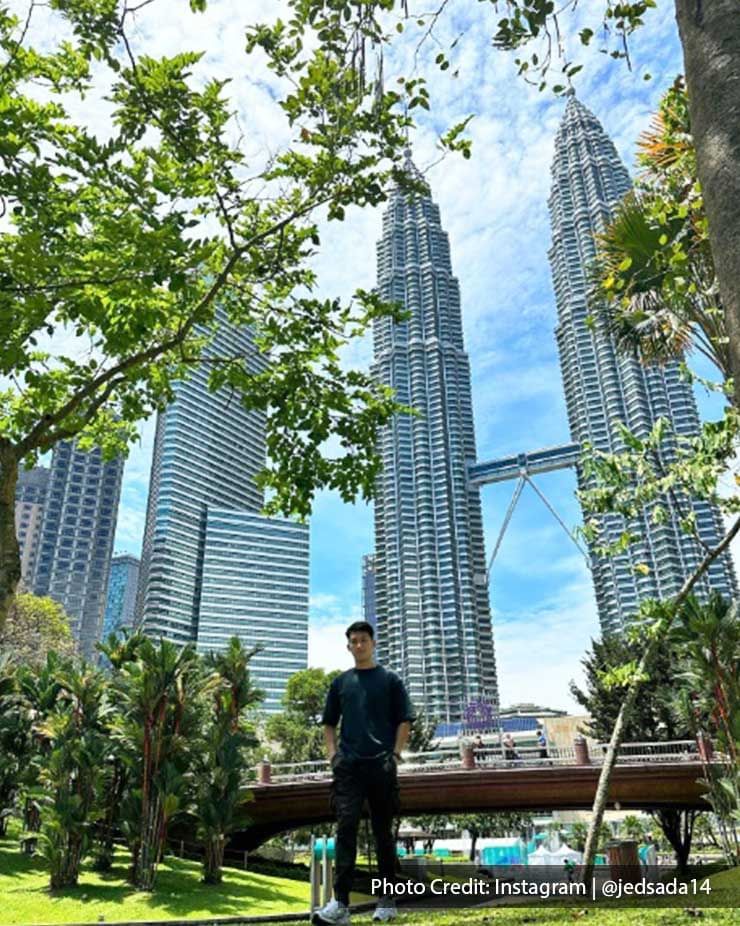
(648, 776)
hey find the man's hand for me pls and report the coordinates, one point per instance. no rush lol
(330, 741)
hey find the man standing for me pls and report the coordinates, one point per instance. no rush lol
(376, 716)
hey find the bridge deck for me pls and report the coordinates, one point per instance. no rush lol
(287, 805)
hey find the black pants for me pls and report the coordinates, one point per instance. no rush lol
(353, 783)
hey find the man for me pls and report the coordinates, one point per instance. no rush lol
(542, 743)
(376, 716)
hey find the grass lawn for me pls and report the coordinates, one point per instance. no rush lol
(25, 899)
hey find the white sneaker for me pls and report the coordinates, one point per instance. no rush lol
(385, 911)
(332, 914)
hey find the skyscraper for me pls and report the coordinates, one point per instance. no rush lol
(369, 599)
(76, 537)
(212, 566)
(30, 495)
(434, 622)
(255, 586)
(207, 452)
(122, 585)
(603, 387)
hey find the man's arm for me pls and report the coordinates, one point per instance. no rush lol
(402, 737)
(330, 739)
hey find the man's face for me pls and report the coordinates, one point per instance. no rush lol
(362, 646)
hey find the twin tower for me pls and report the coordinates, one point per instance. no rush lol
(213, 566)
(432, 604)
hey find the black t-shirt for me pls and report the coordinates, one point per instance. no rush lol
(371, 704)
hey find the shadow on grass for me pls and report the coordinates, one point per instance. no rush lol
(179, 890)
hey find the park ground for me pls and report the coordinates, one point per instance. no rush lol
(107, 898)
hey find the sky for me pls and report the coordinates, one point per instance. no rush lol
(494, 208)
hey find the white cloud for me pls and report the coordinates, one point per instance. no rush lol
(327, 645)
(538, 653)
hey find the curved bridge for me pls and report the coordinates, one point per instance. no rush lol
(640, 783)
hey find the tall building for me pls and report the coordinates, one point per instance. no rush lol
(434, 621)
(207, 453)
(212, 566)
(30, 495)
(603, 387)
(369, 598)
(255, 586)
(122, 585)
(76, 537)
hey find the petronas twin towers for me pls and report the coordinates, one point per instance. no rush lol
(433, 614)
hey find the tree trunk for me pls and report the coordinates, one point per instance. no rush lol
(213, 859)
(710, 36)
(678, 829)
(10, 557)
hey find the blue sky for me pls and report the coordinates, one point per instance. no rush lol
(494, 208)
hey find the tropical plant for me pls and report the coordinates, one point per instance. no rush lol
(220, 787)
(14, 728)
(708, 635)
(632, 827)
(159, 695)
(71, 775)
(654, 267)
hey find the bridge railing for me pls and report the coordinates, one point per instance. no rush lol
(497, 757)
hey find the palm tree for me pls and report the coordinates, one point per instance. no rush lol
(708, 634)
(654, 273)
(158, 692)
(220, 791)
(70, 777)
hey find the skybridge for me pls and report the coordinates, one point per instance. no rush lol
(523, 467)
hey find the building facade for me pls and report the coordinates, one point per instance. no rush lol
(30, 495)
(255, 586)
(207, 452)
(369, 603)
(603, 387)
(76, 537)
(433, 615)
(212, 566)
(123, 583)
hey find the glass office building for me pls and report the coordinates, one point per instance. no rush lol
(123, 582)
(603, 387)
(212, 566)
(76, 537)
(433, 615)
(255, 586)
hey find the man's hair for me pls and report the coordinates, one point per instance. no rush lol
(360, 627)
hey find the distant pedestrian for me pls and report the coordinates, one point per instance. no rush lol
(509, 747)
(542, 743)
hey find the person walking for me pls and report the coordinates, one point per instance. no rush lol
(376, 716)
(542, 743)
(509, 747)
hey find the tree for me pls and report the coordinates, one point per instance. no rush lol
(421, 738)
(434, 825)
(652, 718)
(490, 824)
(142, 238)
(297, 730)
(708, 636)
(35, 627)
(220, 790)
(632, 827)
(71, 774)
(159, 694)
(654, 270)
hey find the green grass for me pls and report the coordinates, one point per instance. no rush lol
(25, 898)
